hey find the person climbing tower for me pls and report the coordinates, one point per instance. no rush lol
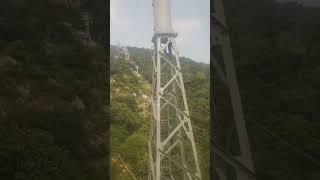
(170, 48)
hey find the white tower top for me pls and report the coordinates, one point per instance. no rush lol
(162, 17)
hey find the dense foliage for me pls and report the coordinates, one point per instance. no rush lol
(52, 99)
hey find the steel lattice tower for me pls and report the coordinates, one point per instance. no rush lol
(233, 160)
(172, 147)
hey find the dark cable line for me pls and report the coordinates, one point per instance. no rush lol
(295, 148)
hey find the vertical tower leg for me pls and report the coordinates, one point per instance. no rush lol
(180, 140)
(225, 160)
(158, 117)
(186, 108)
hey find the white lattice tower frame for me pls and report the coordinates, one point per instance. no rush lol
(172, 146)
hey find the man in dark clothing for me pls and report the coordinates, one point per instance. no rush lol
(170, 47)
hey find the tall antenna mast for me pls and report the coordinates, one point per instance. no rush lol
(233, 161)
(172, 147)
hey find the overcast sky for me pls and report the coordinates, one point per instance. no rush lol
(132, 25)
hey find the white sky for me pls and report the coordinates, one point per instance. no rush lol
(132, 25)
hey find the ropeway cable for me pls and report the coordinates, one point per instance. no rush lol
(295, 148)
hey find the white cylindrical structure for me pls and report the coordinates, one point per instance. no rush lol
(162, 16)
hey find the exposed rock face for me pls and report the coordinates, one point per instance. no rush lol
(78, 104)
(24, 90)
(7, 61)
(54, 82)
(145, 97)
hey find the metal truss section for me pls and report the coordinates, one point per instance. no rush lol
(87, 20)
(172, 148)
(229, 165)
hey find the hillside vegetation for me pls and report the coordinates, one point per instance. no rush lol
(53, 93)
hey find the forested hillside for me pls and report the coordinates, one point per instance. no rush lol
(277, 52)
(130, 111)
(53, 92)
